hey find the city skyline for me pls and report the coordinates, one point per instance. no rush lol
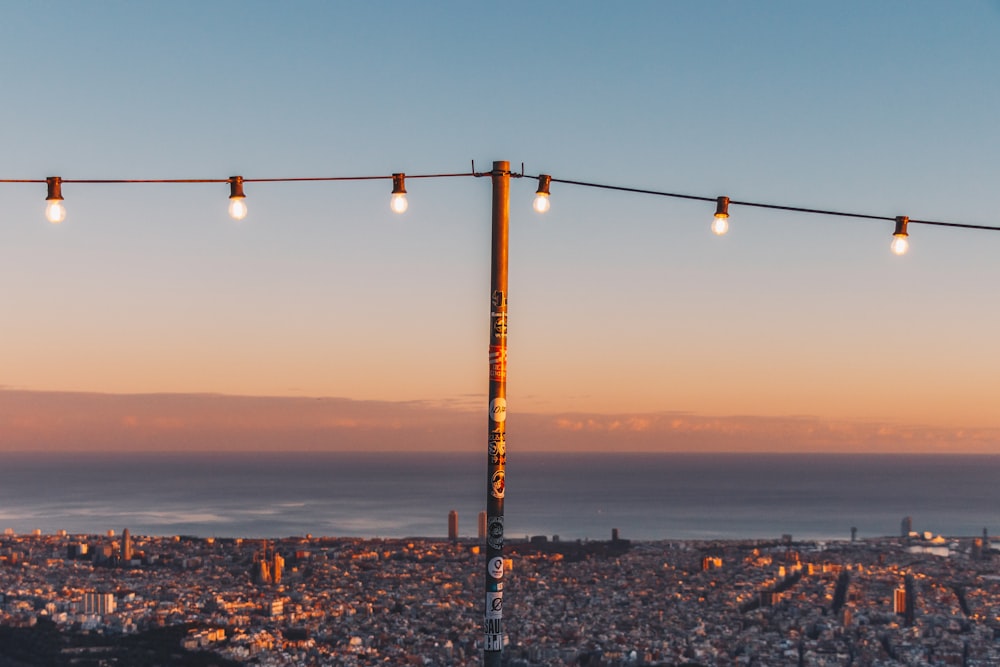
(148, 319)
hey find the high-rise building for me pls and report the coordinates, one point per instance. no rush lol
(910, 615)
(899, 601)
(126, 546)
(267, 568)
(277, 567)
(482, 525)
(906, 527)
(453, 526)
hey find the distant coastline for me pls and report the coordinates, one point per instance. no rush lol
(582, 496)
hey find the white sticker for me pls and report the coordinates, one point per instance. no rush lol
(498, 410)
(494, 605)
(495, 568)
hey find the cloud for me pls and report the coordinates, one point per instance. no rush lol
(796, 433)
(66, 421)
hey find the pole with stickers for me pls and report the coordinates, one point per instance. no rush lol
(497, 444)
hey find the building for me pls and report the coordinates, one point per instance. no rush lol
(899, 601)
(98, 603)
(126, 546)
(267, 568)
(906, 527)
(711, 563)
(453, 526)
(482, 525)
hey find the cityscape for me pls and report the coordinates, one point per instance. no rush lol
(912, 599)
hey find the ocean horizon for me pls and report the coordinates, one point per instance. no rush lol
(644, 496)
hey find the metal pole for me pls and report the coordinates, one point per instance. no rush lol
(497, 448)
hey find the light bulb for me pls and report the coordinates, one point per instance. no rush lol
(398, 202)
(720, 225)
(55, 212)
(900, 244)
(541, 203)
(237, 208)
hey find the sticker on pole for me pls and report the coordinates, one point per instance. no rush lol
(498, 363)
(499, 325)
(498, 449)
(495, 567)
(494, 605)
(494, 642)
(498, 484)
(494, 533)
(498, 410)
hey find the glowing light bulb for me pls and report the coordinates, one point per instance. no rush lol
(541, 203)
(900, 244)
(55, 212)
(398, 202)
(237, 208)
(720, 224)
(237, 199)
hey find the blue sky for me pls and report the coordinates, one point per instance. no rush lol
(620, 304)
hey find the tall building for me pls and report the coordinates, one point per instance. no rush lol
(277, 567)
(910, 601)
(482, 525)
(899, 601)
(267, 568)
(453, 526)
(906, 527)
(126, 546)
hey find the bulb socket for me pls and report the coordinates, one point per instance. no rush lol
(544, 181)
(55, 188)
(236, 187)
(722, 207)
(399, 184)
(901, 222)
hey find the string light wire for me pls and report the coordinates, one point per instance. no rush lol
(776, 207)
(550, 179)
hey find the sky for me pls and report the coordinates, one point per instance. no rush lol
(149, 319)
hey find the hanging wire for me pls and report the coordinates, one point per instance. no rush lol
(775, 207)
(478, 174)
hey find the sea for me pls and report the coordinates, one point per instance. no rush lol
(585, 496)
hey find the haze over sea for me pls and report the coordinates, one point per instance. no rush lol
(645, 496)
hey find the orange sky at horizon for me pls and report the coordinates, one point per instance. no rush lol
(66, 421)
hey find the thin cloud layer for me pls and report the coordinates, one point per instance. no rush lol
(65, 421)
